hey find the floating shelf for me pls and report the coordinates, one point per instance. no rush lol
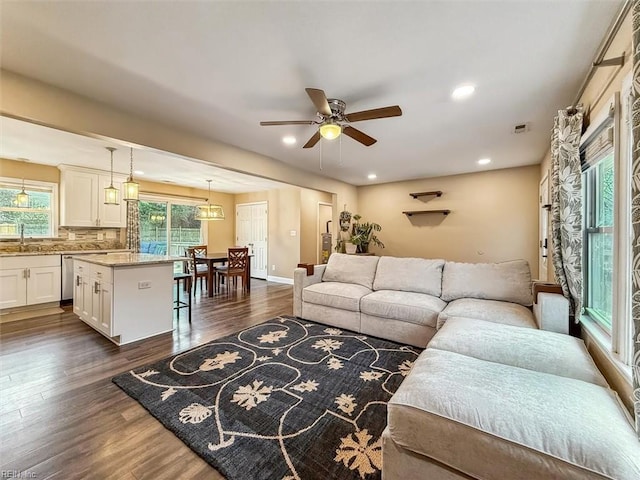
(422, 212)
(547, 206)
(437, 193)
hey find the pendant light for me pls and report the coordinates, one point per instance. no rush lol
(22, 198)
(130, 187)
(111, 192)
(209, 211)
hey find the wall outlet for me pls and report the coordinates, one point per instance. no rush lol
(293, 233)
(273, 268)
(143, 285)
(100, 236)
(111, 235)
(71, 236)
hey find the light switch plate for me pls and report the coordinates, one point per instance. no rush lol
(100, 236)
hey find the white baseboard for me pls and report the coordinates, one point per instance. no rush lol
(288, 281)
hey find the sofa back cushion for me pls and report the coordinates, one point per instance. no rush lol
(409, 275)
(506, 281)
(358, 269)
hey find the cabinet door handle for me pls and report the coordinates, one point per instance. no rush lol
(28, 273)
(77, 280)
(96, 287)
(24, 273)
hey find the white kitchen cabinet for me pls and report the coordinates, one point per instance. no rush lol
(82, 199)
(29, 280)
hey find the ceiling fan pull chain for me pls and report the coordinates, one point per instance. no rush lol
(320, 150)
(340, 151)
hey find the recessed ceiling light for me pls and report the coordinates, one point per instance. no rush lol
(289, 140)
(484, 161)
(372, 176)
(463, 91)
(138, 172)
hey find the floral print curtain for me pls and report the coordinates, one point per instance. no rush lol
(635, 214)
(133, 226)
(566, 205)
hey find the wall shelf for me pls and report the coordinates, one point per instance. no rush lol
(437, 193)
(422, 212)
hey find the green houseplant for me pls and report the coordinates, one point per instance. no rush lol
(363, 234)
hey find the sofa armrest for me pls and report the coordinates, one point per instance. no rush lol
(552, 312)
(301, 280)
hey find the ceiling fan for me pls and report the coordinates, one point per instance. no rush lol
(333, 121)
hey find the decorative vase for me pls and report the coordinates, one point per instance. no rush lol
(350, 248)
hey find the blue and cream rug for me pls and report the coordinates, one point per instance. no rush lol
(286, 399)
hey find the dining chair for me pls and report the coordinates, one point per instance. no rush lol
(198, 270)
(236, 268)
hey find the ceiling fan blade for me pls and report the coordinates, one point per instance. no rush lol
(359, 136)
(313, 140)
(384, 112)
(291, 122)
(319, 99)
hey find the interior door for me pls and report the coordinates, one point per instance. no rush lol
(251, 231)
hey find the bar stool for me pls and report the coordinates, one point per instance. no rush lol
(179, 304)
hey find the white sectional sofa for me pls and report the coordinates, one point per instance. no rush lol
(408, 299)
(500, 392)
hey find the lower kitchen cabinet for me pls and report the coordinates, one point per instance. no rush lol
(29, 280)
(93, 296)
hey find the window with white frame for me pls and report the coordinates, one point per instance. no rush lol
(37, 218)
(606, 161)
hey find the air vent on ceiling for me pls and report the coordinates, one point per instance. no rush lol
(521, 128)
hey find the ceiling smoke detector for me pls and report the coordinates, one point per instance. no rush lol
(521, 128)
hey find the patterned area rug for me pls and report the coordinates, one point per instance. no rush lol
(286, 399)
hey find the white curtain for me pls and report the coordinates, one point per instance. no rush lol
(566, 205)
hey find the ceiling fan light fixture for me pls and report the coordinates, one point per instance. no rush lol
(330, 130)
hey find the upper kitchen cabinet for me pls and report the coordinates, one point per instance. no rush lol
(82, 199)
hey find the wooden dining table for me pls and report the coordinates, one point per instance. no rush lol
(219, 257)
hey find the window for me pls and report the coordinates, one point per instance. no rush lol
(38, 218)
(168, 226)
(598, 185)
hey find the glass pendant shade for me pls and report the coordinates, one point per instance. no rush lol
(130, 187)
(111, 193)
(22, 198)
(330, 131)
(209, 211)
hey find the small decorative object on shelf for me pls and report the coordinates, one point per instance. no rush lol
(437, 193)
(420, 212)
(547, 206)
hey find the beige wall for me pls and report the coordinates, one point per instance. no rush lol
(29, 171)
(30, 100)
(309, 233)
(494, 216)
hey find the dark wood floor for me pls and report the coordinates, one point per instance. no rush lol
(60, 415)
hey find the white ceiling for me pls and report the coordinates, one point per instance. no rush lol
(37, 144)
(217, 68)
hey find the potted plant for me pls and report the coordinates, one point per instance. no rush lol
(363, 234)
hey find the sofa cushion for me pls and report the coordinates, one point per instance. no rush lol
(490, 311)
(358, 269)
(409, 275)
(345, 296)
(538, 350)
(418, 308)
(462, 411)
(506, 281)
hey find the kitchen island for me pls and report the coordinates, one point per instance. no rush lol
(125, 296)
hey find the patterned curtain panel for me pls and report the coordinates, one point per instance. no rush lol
(566, 205)
(133, 226)
(635, 213)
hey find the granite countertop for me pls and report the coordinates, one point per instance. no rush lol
(129, 259)
(63, 252)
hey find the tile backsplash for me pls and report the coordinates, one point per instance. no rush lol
(70, 238)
